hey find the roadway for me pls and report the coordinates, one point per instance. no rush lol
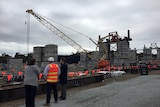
(141, 91)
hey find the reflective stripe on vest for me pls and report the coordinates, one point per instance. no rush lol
(52, 73)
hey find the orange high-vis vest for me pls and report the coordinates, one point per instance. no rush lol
(52, 73)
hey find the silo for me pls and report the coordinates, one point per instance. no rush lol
(51, 50)
(38, 53)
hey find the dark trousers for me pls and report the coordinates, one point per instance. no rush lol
(50, 87)
(30, 93)
(63, 90)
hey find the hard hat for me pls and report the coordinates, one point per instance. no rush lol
(50, 59)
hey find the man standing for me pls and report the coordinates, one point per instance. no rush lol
(51, 73)
(143, 69)
(63, 78)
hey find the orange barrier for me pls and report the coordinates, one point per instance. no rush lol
(71, 74)
(112, 68)
(104, 69)
(20, 73)
(149, 66)
(9, 77)
(86, 72)
(79, 72)
(40, 76)
(93, 71)
(97, 70)
(3, 73)
(109, 68)
(125, 67)
(119, 68)
(155, 66)
(115, 68)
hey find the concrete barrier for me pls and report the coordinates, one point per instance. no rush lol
(17, 91)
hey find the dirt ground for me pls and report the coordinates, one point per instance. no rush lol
(18, 102)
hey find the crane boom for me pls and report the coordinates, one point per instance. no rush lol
(101, 44)
(57, 31)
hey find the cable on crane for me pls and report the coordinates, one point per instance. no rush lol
(27, 23)
(68, 28)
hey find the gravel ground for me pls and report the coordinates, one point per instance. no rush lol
(130, 90)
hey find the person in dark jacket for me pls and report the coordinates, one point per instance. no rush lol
(63, 78)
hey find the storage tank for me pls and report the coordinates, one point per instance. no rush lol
(51, 50)
(38, 53)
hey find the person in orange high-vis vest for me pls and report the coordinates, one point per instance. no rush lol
(51, 73)
(52, 76)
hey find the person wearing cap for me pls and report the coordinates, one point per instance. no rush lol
(51, 73)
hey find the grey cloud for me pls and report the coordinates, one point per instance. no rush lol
(89, 17)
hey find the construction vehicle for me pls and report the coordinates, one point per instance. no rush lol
(103, 61)
(111, 37)
(59, 33)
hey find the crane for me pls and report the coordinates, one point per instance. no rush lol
(56, 31)
(59, 33)
(104, 60)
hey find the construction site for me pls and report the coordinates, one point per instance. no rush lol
(112, 59)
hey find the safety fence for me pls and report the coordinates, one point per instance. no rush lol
(127, 69)
(19, 76)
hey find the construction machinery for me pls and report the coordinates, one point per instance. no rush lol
(110, 38)
(103, 61)
(59, 33)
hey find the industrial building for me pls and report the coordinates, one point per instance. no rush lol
(151, 55)
(122, 56)
(41, 54)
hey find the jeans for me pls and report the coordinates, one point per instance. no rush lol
(30, 93)
(50, 87)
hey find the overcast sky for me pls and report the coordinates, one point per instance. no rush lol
(89, 17)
